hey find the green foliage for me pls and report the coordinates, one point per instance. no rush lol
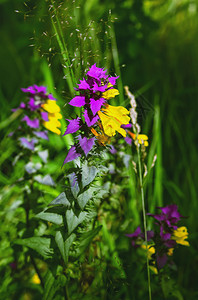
(153, 47)
(39, 244)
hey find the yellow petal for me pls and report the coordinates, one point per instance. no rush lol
(111, 93)
(52, 126)
(36, 279)
(180, 235)
(170, 251)
(118, 112)
(111, 125)
(51, 106)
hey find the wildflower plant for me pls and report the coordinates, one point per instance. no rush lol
(164, 239)
(38, 113)
(100, 120)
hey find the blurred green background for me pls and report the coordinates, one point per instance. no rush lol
(153, 45)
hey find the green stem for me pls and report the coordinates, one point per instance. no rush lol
(64, 51)
(144, 219)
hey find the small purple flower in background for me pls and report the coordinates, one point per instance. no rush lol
(162, 241)
(138, 234)
(167, 220)
(28, 144)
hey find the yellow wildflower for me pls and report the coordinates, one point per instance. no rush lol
(150, 251)
(170, 251)
(112, 119)
(142, 138)
(111, 93)
(36, 279)
(180, 235)
(53, 115)
(51, 106)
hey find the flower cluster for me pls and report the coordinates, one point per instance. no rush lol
(161, 243)
(40, 110)
(100, 121)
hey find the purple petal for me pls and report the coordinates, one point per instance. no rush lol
(72, 154)
(128, 140)
(27, 144)
(31, 123)
(135, 234)
(73, 126)
(97, 73)
(86, 144)
(161, 261)
(73, 179)
(22, 105)
(126, 126)
(112, 150)
(51, 97)
(170, 243)
(44, 116)
(78, 101)
(41, 134)
(112, 80)
(32, 104)
(97, 88)
(95, 105)
(83, 85)
(150, 235)
(90, 120)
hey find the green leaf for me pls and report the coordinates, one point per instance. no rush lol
(50, 287)
(60, 200)
(85, 239)
(73, 221)
(39, 244)
(74, 184)
(88, 174)
(50, 217)
(84, 197)
(64, 245)
(169, 287)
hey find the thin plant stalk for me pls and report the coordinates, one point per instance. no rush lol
(64, 52)
(144, 218)
(116, 59)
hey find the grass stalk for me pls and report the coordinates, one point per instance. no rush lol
(64, 51)
(144, 219)
(116, 59)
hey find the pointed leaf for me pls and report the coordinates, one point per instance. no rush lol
(85, 197)
(39, 244)
(88, 174)
(73, 221)
(50, 287)
(64, 245)
(60, 200)
(50, 217)
(86, 239)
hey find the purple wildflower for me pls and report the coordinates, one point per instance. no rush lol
(74, 125)
(44, 116)
(89, 119)
(137, 234)
(86, 144)
(78, 101)
(41, 134)
(31, 123)
(28, 144)
(72, 154)
(97, 73)
(169, 216)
